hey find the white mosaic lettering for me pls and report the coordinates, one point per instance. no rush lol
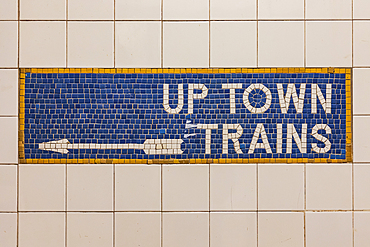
(246, 98)
(279, 139)
(301, 143)
(192, 96)
(316, 93)
(180, 99)
(321, 138)
(233, 136)
(208, 128)
(260, 130)
(232, 87)
(291, 93)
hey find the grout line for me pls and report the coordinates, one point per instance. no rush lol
(114, 204)
(257, 51)
(257, 210)
(304, 35)
(66, 205)
(114, 36)
(18, 95)
(67, 22)
(209, 204)
(162, 26)
(197, 20)
(209, 33)
(305, 202)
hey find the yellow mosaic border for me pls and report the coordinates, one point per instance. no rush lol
(22, 76)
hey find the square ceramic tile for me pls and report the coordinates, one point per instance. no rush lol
(328, 229)
(8, 229)
(138, 10)
(185, 9)
(280, 187)
(9, 10)
(233, 44)
(41, 229)
(185, 188)
(233, 187)
(89, 229)
(233, 9)
(361, 186)
(9, 44)
(9, 140)
(329, 44)
(8, 188)
(43, 10)
(280, 229)
(281, 44)
(328, 9)
(361, 90)
(361, 135)
(185, 229)
(42, 187)
(328, 187)
(361, 229)
(138, 229)
(90, 9)
(90, 187)
(90, 44)
(361, 9)
(233, 229)
(361, 43)
(8, 92)
(138, 44)
(278, 9)
(185, 44)
(42, 44)
(138, 188)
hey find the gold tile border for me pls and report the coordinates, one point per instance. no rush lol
(21, 116)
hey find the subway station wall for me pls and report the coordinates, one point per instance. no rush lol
(212, 199)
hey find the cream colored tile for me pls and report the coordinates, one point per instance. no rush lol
(329, 43)
(138, 10)
(43, 10)
(233, 229)
(42, 187)
(328, 187)
(138, 44)
(8, 92)
(91, 10)
(138, 229)
(280, 187)
(8, 229)
(328, 9)
(361, 90)
(361, 46)
(362, 229)
(42, 44)
(233, 187)
(185, 229)
(185, 44)
(138, 188)
(361, 186)
(361, 9)
(281, 44)
(361, 135)
(41, 229)
(233, 44)
(9, 140)
(8, 188)
(278, 9)
(90, 187)
(185, 188)
(185, 9)
(89, 229)
(328, 229)
(233, 9)
(280, 229)
(9, 10)
(9, 44)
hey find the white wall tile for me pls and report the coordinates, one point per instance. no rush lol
(8, 188)
(361, 9)
(233, 187)
(329, 43)
(233, 44)
(9, 140)
(185, 229)
(138, 9)
(8, 92)
(9, 44)
(90, 44)
(361, 90)
(91, 10)
(138, 229)
(90, 187)
(361, 186)
(328, 9)
(185, 9)
(89, 229)
(43, 10)
(280, 187)
(361, 135)
(42, 44)
(41, 229)
(280, 229)
(361, 43)
(325, 229)
(278, 9)
(42, 187)
(281, 44)
(8, 229)
(329, 187)
(9, 10)
(233, 9)
(361, 229)
(185, 44)
(138, 44)
(138, 188)
(233, 229)
(185, 188)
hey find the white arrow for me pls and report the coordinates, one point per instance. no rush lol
(150, 146)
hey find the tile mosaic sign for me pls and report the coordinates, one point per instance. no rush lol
(275, 115)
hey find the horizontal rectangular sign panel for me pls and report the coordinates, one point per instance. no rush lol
(185, 115)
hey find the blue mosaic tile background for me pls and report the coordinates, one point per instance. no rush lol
(127, 108)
